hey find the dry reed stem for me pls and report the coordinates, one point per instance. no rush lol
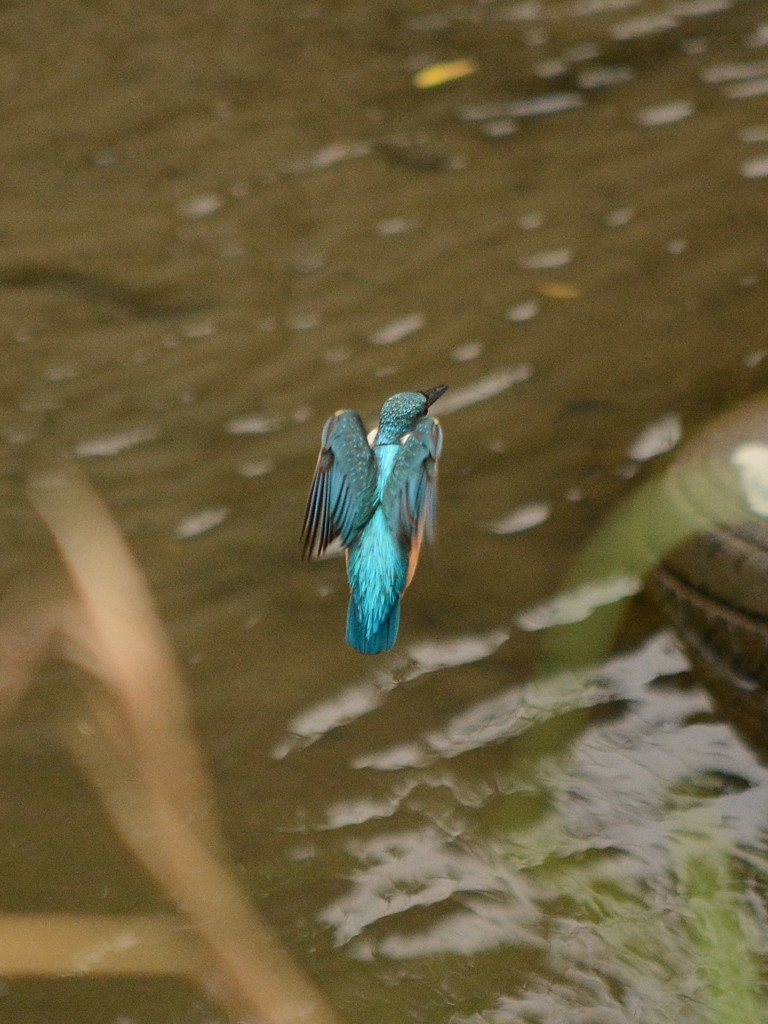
(140, 755)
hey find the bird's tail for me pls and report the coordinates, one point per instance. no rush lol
(384, 637)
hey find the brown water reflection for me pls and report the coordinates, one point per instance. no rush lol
(222, 224)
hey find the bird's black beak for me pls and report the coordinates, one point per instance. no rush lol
(434, 393)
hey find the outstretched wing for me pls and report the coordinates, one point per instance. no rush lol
(344, 486)
(410, 495)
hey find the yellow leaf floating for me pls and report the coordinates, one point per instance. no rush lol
(444, 71)
(559, 290)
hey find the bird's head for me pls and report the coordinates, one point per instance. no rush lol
(401, 412)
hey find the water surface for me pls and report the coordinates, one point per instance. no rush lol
(222, 224)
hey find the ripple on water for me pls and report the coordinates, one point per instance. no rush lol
(405, 870)
(664, 113)
(314, 722)
(524, 311)
(115, 444)
(303, 320)
(677, 246)
(256, 467)
(530, 221)
(605, 76)
(657, 438)
(526, 517)
(551, 259)
(575, 605)
(500, 128)
(746, 90)
(327, 156)
(197, 207)
(468, 351)
(609, 818)
(196, 330)
(552, 68)
(717, 74)
(524, 705)
(619, 218)
(757, 167)
(201, 522)
(758, 36)
(534, 106)
(753, 359)
(398, 329)
(487, 387)
(753, 133)
(363, 697)
(643, 25)
(394, 226)
(432, 655)
(254, 423)
(699, 8)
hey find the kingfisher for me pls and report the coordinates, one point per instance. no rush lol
(377, 494)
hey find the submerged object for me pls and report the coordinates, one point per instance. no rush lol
(378, 498)
(697, 534)
(714, 585)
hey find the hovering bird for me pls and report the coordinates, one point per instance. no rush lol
(377, 495)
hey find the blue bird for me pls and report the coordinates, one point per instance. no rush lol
(378, 497)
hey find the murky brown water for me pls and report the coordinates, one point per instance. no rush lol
(221, 224)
